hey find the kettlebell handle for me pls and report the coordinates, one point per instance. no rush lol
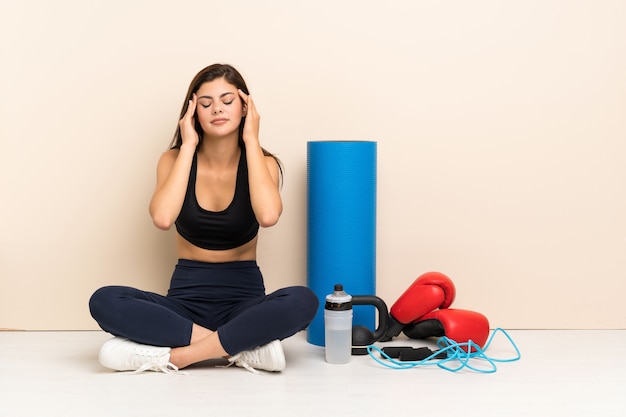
(383, 313)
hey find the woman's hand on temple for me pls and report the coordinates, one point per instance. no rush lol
(251, 124)
(188, 124)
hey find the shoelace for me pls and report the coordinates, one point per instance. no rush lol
(168, 368)
(151, 363)
(239, 361)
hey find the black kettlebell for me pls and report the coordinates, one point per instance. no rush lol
(361, 335)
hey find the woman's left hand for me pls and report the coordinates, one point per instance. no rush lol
(251, 124)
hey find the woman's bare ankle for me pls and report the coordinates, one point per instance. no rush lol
(204, 349)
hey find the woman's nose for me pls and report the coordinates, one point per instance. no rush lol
(217, 109)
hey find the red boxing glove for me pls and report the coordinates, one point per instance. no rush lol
(430, 291)
(458, 325)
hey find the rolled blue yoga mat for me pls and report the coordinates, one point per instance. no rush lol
(341, 225)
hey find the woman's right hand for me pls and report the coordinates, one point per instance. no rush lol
(187, 124)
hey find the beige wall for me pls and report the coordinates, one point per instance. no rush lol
(500, 127)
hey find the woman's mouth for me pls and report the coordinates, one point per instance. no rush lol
(220, 121)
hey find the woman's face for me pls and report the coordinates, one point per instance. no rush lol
(220, 108)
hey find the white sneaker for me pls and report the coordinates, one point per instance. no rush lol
(268, 357)
(122, 354)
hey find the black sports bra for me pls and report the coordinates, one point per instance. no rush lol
(218, 230)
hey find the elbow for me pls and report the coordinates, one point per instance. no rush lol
(161, 222)
(267, 222)
(162, 225)
(268, 219)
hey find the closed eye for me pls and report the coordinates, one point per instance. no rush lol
(227, 103)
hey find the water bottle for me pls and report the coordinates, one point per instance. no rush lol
(338, 326)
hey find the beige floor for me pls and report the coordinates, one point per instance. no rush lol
(561, 373)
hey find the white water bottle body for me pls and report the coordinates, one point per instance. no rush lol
(338, 326)
(338, 335)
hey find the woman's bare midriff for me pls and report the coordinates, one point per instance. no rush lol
(245, 252)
